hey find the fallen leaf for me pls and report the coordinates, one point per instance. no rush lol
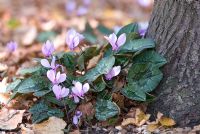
(93, 62)
(141, 118)
(53, 125)
(3, 67)
(9, 119)
(119, 99)
(168, 122)
(152, 127)
(87, 109)
(3, 85)
(128, 121)
(26, 129)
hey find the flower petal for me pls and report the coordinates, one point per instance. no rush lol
(121, 40)
(45, 63)
(75, 120)
(76, 99)
(86, 87)
(57, 91)
(64, 92)
(62, 78)
(53, 66)
(115, 70)
(51, 75)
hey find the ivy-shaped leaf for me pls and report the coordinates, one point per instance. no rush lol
(104, 30)
(42, 111)
(132, 91)
(133, 27)
(68, 60)
(33, 84)
(103, 67)
(30, 70)
(137, 45)
(106, 109)
(89, 34)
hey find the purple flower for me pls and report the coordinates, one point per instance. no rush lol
(115, 42)
(142, 32)
(79, 90)
(47, 64)
(113, 72)
(60, 92)
(70, 6)
(11, 46)
(143, 28)
(144, 3)
(77, 117)
(56, 78)
(86, 2)
(73, 39)
(82, 10)
(48, 48)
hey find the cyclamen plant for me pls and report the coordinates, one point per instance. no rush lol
(63, 81)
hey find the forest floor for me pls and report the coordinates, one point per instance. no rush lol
(30, 24)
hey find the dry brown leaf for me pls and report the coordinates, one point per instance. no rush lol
(26, 129)
(152, 127)
(3, 67)
(93, 62)
(53, 125)
(9, 119)
(168, 122)
(87, 109)
(141, 118)
(128, 121)
(119, 99)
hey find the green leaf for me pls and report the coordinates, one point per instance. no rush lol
(104, 30)
(98, 85)
(105, 95)
(13, 85)
(33, 84)
(41, 93)
(133, 27)
(137, 45)
(133, 91)
(47, 35)
(69, 61)
(145, 75)
(150, 56)
(103, 67)
(42, 111)
(30, 70)
(105, 109)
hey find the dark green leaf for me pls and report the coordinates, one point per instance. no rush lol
(30, 70)
(134, 92)
(69, 61)
(137, 45)
(98, 85)
(145, 75)
(13, 85)
(41, 93)
(133, 27)
(47, 35)
(150, 56)
(105, 109)
(104, 30)
(42, 111)
(103, 67)
(89, 34)
(33, 84)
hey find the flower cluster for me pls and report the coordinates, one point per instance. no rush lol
(57, 77)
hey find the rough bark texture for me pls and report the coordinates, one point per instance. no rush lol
(175, 26)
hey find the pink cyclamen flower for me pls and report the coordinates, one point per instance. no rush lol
(145, 3)
(11, 46)
(79, 90)
(82, 10)
(115, 42)
(56, 78)
(73, 39)
(86, 2)
(60, 92)
(48, 48)
(47, 64)
(113, 72)
(77, 117)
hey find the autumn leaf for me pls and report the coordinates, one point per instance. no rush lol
(87, 109)
(53, 125)
(152, 127)
(168, 122)
(141, 118)
(9, 119)
(128, 121)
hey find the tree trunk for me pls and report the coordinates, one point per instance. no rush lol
(175, 27)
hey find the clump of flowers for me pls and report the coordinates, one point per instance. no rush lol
(11, 46)
(63, 81)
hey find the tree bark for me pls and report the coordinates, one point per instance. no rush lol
(175, 27)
